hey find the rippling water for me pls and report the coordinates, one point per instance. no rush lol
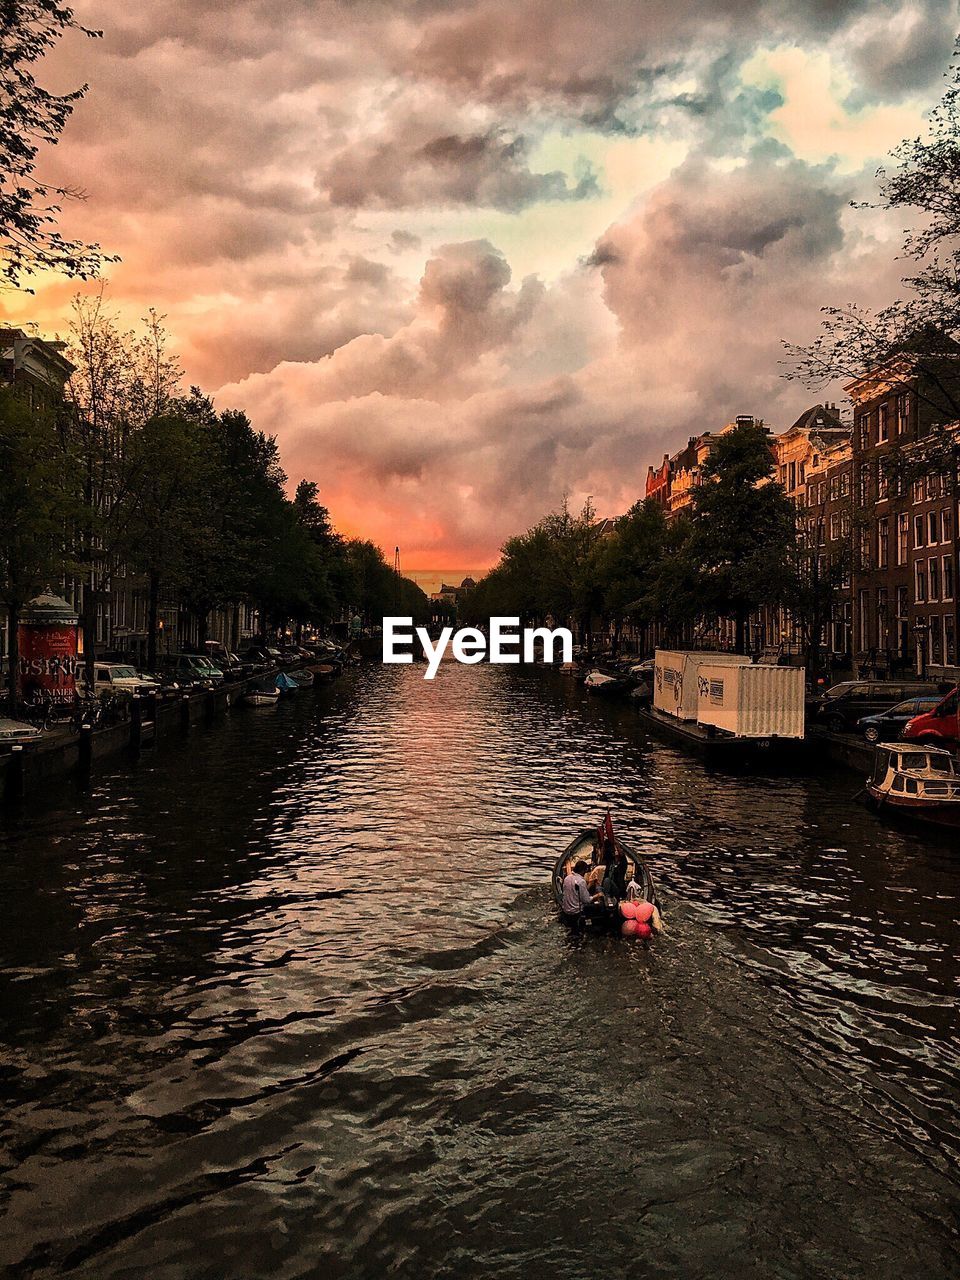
(293, 1003)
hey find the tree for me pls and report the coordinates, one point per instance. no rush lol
(32, 117)
(914, 339)
(123, 379)
(625, 566)
(36, 502)
(170, 466)
(743, 528)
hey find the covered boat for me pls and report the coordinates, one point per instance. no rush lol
(917, 782)
(583, 848)
(600, 682)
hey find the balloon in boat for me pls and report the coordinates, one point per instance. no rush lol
(629, 928)
(644, 910)
(628, 910)
(643, 929)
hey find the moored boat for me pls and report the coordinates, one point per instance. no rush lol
(917, 782)
(600, 682)
(302, 676)
(262, 697)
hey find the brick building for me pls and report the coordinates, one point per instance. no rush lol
(905, 560)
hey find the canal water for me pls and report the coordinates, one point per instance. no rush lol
(293, 1002)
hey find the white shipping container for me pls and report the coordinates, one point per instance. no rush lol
(752, 702)
(675, 678)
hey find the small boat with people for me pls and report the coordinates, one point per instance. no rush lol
(601, 883)
(916, 781)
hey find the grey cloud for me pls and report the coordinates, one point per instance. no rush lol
(907, 52)
(401, 170)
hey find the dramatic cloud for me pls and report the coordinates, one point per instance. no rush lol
(464, 256)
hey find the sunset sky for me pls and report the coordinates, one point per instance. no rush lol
(462, 258)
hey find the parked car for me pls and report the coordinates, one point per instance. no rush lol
(15, 733)
(189, 670)
(844, 705)
(888, 726)
(262, 654)
(110, 677)
(940, 725)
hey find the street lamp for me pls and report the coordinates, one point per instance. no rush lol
(921, 630)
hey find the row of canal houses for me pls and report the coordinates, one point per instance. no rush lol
(877, 497)
(39, 370)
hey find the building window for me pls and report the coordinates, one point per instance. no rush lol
(883, 542)
(949, 640)
(844, 484)
(903, 537)
(946, 525)
(934, 579)
(947, 563)
(864, 548)
(920, 582)
(883, 430)
(862, 486)
(863, 430)
(917, 491)
(835, 526)
(903, 412)
(918, 530)
(883, 483)
(933, 528)
(863, 609)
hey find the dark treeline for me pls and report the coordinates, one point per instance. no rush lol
(739, 549)
(126, 474)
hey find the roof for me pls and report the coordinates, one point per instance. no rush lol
(819, 417)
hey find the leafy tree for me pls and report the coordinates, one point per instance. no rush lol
(170, 465)
(327, 558)
(626, 564)
(915, 336)
(123, 379)
(744, 526)
(32, 117)
(36, 501)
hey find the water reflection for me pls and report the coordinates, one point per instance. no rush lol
(294, 1003)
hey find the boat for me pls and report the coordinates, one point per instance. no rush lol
(917, 782)
(600, 682)
(262, 697)
(582, 847)
(301, 676)
(285, 685)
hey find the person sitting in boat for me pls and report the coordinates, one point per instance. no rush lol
(576, 901)
(615, 878)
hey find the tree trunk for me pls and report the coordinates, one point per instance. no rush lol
(153, 618)
(13, 655)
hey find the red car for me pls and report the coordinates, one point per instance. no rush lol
(939, 727)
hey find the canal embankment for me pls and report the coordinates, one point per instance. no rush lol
(26, 771)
